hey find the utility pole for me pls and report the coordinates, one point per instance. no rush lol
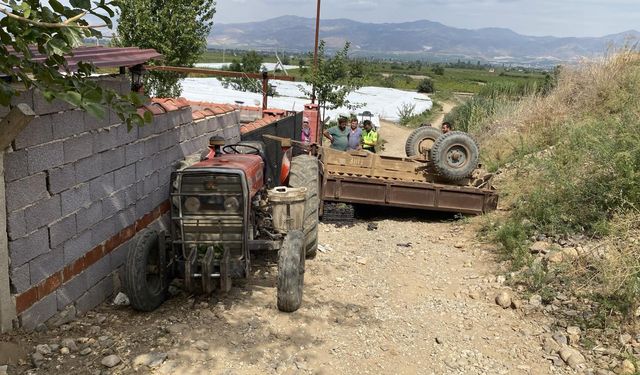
(315, 52)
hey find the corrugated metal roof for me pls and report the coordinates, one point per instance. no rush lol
(107, 57)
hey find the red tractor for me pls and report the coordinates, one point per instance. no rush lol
(221, 210)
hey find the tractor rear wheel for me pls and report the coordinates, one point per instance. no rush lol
(145, 282)
(421, 140)
(291, 272)
(455, 155)
(304, 173)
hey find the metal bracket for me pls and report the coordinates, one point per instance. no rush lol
(207, 264)
(225, 271)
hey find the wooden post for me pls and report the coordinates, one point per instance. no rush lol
(265, 89)
(10, 126)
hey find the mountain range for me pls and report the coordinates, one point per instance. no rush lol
(411, 40)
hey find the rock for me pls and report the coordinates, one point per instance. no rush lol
(361, 260)
(574, 330)
(69, 344)
(535, 300)
(37, 359)
(459, 245)
(555, 257)
(503, 299)
(626, 368)
(169, 368)
(625, 338)
(372, 226)
(54, 347)
(151, 360)
(3, 369)
(65, 316)
(560, 338)
(405, 244)
(202, 345)
(439, 340)
(43, 349)
(550, 346)
(572, 357)
(516, 304)
(121, 299)
(110, 361)
(85, 351)
(101, 319)
(570, 253)
(64, 350)
(501, 279)
(177, 329)
(41, 328)
(539, 247)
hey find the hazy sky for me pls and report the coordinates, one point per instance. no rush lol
(529, 17)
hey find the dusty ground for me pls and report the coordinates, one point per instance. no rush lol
(413, 295)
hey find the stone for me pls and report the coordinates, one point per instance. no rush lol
(626, 368)
(550, 346)
(503, 299)
(202, 345)
(85, 351)
(574, 330)
(361, 260)
(572, 357)
(625, 338)
(439, 340)
(177, 329)
(43, 349)
(65, 316)
(570, 253)
(535, 300)
(110, 361)
(539, 247)
(3, 370)
(151, 360)
(37, 359)
(121, 299)
(64, 350)
(69, 344)
(516, 304)
(560, 338)
(459, 245)
(555, 257)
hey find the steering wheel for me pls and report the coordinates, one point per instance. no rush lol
(253, 149)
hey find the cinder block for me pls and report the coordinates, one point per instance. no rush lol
(158, 162)
(61, 178)
(125, 218)
(151, 146)
(15, 165)
(46, 156)
(150, 183)
(77, 246)
(43, 213)
(38, 131)
(112, 160)
(26, 248)
(41, 106)
(126, 136)
(105, 139)
(88, 168)
(87, 217)
(78, 147)
(26, 191)
(20, 279)
(173, 119)
(144, 206)
(186, 116)
(147, 130)
(125, 176)
(62, 230)
(161, 122)
(75, 198)
(96, 295)
(164, 175)
(67, 124)
(119, 255)
(70, 291)
(113, 204)
(46, 265)
(99, 270)
(103, 230)
(134, 152)
(160, 195)
(130, 195)
(24, 96)
(187, 132)
(168, 139)
(102, 186)
(16, 224)
(144, 168)
(94, 123)
(39, 312)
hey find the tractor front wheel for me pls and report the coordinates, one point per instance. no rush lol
(291, 272)
(146, 281)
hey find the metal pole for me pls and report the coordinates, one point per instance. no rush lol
(265, 87)
(315, 52)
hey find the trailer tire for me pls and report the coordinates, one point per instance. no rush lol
(291, 272)
(420, 140)
(455, 155)
(305, 170)
(146, 291)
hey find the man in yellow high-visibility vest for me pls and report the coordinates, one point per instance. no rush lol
(369, 137)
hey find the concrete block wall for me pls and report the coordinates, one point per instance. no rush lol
(79, 188)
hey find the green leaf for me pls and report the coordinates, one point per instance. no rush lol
(82, 4)
(57, 6)
(95, 110)
(73, 98)
(6, 92)
(148, 117)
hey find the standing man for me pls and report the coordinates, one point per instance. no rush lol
(339, 135)
(446, 127)
(369, 137)
(355, 135)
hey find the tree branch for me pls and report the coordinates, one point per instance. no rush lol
(50, 24)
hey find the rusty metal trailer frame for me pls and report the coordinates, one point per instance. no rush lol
(419, 195)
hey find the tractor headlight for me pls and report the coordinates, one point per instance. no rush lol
(231, 204)
(192, 204)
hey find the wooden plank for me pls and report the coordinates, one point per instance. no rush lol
(13, 123)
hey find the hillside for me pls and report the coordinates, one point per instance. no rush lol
(412, 39)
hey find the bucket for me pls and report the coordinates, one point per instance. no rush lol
(287, 207)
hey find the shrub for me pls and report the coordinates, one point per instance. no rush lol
(405, 112)
(426, 86)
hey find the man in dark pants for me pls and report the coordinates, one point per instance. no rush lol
(369, 137)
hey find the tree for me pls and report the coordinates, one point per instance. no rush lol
(438, 69)
(426, 86)
(177, 29)
(251, 62)
(53, 31)
(333, 79)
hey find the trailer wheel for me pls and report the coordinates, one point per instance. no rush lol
(304, 173)
(291, 272)
(145, 282)
(421, 140)
(455, 155)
